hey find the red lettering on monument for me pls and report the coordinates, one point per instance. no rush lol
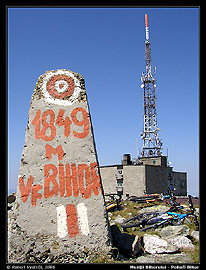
(50, 179)
(71, 177)
(25, 190)
(84, 173)
(37, 123)
(96, 185)
(73, 180)
(50, 150)
(66, 123)
(84, 122)
(35, 195)
(48, 125)
(83, 179)
(62, 180)
(48, 131)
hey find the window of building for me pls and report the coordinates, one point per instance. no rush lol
(182, 184)
(119, 182)
(154, 162)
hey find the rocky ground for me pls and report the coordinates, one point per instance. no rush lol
(171, 244)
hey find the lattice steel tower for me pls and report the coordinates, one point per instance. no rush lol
(151, 142)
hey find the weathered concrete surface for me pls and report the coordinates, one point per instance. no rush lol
(60, 194)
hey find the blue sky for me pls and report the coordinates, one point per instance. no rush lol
(106, 46)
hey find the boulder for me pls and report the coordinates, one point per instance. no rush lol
(170, 231)
(154, 244)
(181, 242)
(195, 235)
(119, 219)
(156, 208)
(11, 197)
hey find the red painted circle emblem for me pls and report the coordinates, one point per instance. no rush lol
(60, 86)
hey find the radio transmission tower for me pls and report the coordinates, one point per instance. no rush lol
(151, 142)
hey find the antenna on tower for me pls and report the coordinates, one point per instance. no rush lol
(151, 142)
(146, 27)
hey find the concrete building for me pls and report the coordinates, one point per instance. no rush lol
(144, 175)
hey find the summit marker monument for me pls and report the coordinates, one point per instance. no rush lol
(59, 194)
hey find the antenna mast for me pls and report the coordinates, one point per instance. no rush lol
(151, 142)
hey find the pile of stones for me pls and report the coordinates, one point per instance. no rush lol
(163, 245)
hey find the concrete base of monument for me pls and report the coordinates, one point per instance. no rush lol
(41, 247)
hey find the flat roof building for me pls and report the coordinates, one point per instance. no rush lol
(144, 175)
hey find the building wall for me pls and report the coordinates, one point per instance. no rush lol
(180, 183)
(108, 178)
(133, 179)
(140, 178)
(154, 161)
(157, 179)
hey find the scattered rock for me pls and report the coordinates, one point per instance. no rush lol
(164, 258)
(136, 245)
(181, 242)
(119, 219)
(195, 234)
(11, 200)
(157, 208)
(146, 259)
(170, 231)
(153, 244)
(11, 197)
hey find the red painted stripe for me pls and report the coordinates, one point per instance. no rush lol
(72, 221)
